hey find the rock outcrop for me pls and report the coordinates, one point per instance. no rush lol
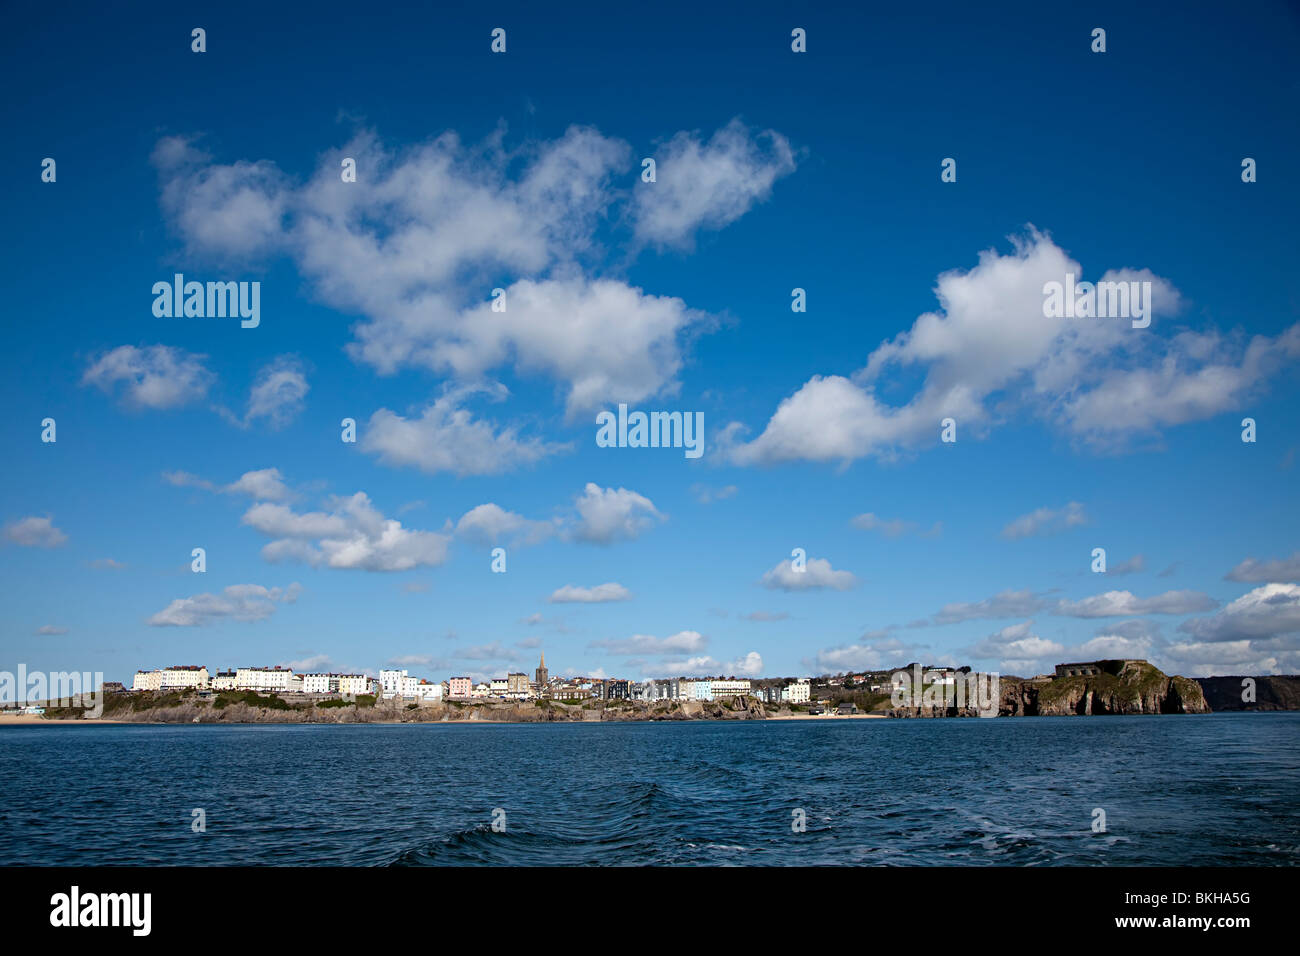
(1127, 687)
(1138, 688)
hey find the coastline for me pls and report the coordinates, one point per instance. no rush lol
(32, 719)
(828, 717)
(1128, 687)
(15, 720)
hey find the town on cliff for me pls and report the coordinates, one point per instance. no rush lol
(190, 693)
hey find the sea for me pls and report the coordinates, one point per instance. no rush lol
(1218, 789)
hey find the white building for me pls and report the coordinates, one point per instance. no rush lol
(480, 690)
(698, 689)
(724, 689)
(427, 690)
(352, 684)
(800, 692)
(266, 679)
(184, 676)
(499, 687)
(224, 680)
(320, 683)
(670, 689)
(147, 680)
(397, 683)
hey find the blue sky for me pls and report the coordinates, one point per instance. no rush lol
(775, 170)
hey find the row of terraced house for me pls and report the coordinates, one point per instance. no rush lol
(261, 679)
(398, 683)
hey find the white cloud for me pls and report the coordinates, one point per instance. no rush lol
(990, 344)
(1246, 657)
(1280, 569)
(352, 535)
(708, 184)
(1004, 604)
(1044, 521)
(605, 340)
(35, 532)
(494, 651)
(1269, 611)
(239, 602)
(315, 664)
(265, 484)
(817, 573)
(706, 495)
(600, 594)
(692, 666)
(873, 652)
(683, 642)
(1117, 603)
(447, 437)
(278, 393)
(230, 211)
(1133, 565)
(1195, 376)
(893, 527)
(184, 479)
(1018, 649)
(751, 665)
(154, 377)
(828, 419)
(490, 524)
(413, 660)
(50, 630)
(417, 242)
(1110, 646)
(606, 515)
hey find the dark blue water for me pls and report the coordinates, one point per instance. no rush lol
(1219, 789)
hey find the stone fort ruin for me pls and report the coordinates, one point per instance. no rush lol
(1093, 668)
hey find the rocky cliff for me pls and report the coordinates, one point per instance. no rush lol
(247, 708)
(1270, 693)
(1134, 688)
